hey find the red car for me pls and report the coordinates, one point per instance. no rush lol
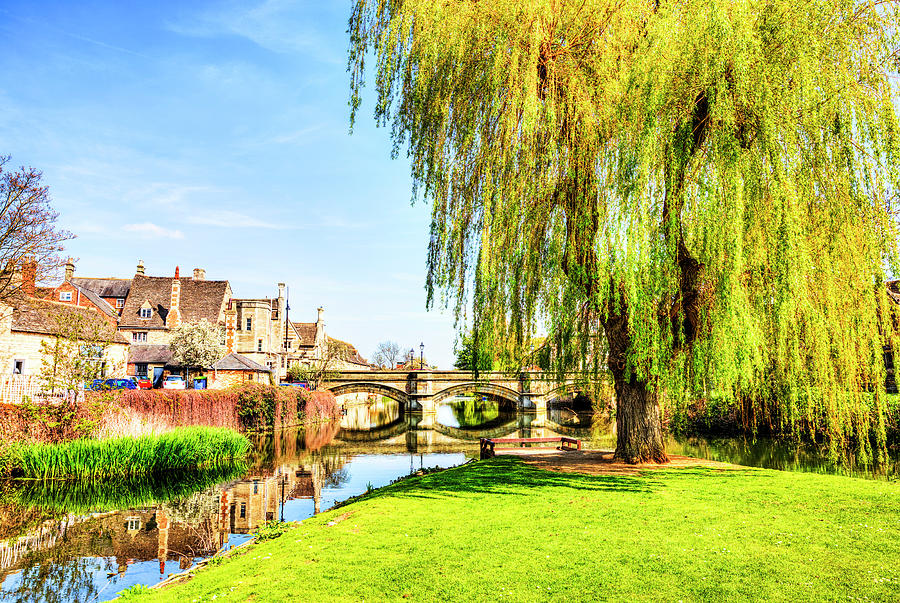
(142, 382)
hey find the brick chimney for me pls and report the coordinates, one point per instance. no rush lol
(29, 274)
(70, 269)
(174, 318)
(199, 274)
(230, 325)
(140, 267)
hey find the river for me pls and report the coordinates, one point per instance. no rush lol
(70, 542)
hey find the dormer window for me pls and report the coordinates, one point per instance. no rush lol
(120, 303)
(146, 313)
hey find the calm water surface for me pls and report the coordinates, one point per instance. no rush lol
(69, 542)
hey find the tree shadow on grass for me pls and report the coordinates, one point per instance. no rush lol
(509, 477)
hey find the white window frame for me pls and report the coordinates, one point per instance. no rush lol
(148, 311)
(139, 336)
(65, 296)
(120, 303)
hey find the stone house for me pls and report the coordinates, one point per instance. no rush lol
(261, 330)
(157, 305)
(313, 344)
(113, 291)
(235, 369)
(256, 329)
(26, 322)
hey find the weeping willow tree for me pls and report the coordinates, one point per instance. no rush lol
(692, 195)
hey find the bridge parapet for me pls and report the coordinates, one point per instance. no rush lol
(421, 391)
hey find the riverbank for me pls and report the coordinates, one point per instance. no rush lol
(502, 529)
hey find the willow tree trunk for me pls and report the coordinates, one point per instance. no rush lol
(639, 434)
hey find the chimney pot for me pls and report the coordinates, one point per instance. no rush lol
(70, 269)
(140, 267)
(176, 272)
(199, 274)
(321, 312)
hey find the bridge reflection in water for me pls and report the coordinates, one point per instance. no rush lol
(457, 424)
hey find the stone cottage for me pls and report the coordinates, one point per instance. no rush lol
(156, 305)
(236, 369)
(26, 322)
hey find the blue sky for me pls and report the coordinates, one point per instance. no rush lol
(215, 135)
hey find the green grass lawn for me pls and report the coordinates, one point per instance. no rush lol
(499, 529)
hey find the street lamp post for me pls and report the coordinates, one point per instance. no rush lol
(422, 356)
(412, 359)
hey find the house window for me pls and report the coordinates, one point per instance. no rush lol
(259, 345)
(133, 523)
(140, 369)
(65, 296)
(146, 312)
(243, 510)
(139, 336)
(18, 367)
(120, 303)
(249, 323)
(256, 486)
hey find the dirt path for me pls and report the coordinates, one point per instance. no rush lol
(599, 462)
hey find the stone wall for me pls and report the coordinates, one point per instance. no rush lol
(17, 345)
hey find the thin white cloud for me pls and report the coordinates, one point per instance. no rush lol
(152, 231)
(298, 137)
(276, 25)
(224, 218)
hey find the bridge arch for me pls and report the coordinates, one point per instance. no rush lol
(566, 388)
(504, 393)
(371, 388)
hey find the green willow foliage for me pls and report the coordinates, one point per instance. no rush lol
(720, 173)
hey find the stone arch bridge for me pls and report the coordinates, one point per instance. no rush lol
(422, 391)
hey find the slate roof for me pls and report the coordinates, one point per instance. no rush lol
(199, 300)
(31, 315)
(98, 301)
(104, 287)
(150, 354)
(236, 362)
(306, 334)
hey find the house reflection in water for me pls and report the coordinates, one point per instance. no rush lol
(171, 535)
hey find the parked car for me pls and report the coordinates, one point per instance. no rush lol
(174, 382)
(142, 382)
(98, 384)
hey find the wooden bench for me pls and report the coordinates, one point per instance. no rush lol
(488, 445)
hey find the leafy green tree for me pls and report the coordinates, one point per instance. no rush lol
(694, 195)
(196, 344)
(471, 357)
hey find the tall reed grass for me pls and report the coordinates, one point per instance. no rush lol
(179, 449)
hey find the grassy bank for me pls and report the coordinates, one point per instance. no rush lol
(179, 449)
(499, 529)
